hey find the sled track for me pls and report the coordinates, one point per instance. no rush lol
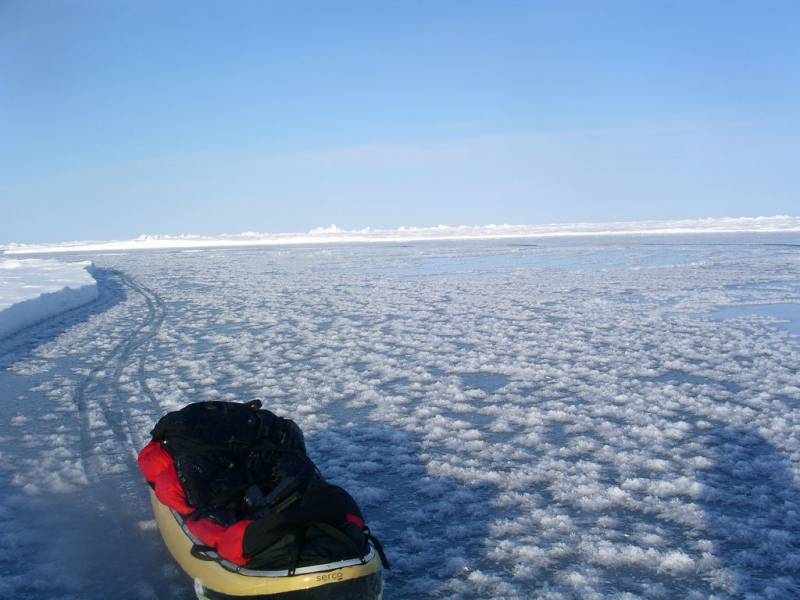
(118, 358)
(121, 494)
(140, 339)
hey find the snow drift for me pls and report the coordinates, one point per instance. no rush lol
(32, 290)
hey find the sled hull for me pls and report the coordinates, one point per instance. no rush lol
(216, 582)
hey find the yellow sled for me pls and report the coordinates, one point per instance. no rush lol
(222, 580)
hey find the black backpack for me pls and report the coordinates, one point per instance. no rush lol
(222, 449)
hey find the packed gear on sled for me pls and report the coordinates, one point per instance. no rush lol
(246, 513)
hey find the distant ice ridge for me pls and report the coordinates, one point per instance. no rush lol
(32, 290)
(334, 234)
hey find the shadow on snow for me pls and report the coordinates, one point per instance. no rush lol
(752, 507)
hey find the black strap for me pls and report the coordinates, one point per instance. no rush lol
(286, 486)
(341, 536)
(378, 547)
(297, 549)
(201, 552)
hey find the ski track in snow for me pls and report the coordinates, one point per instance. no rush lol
(555, 420)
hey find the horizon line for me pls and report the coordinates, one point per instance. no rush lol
(333, 234)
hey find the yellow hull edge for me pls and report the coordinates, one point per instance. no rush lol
(215, 577)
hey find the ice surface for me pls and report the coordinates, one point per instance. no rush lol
(32, 290)
(785, 315)
(544, 419)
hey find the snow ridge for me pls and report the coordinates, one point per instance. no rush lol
(334, 234)
(32, 290)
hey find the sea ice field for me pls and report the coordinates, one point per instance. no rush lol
(595, 417)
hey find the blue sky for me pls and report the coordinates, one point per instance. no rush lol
(120, 118)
